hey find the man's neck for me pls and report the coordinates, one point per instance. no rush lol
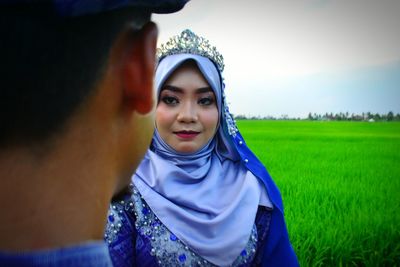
(53, 201)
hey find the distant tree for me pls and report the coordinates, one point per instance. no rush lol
(240, 117)
(377, 117)
(390, 116)
(310, 116)
(338, 117)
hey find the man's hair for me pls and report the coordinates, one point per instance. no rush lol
(50, 65)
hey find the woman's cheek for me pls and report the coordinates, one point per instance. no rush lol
(164, 116)
(211, 119)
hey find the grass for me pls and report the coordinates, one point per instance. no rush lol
(340, 183)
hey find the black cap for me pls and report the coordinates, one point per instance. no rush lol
(69, 8)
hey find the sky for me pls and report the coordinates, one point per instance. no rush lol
(292, 57)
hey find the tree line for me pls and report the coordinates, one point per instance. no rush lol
(367, 116)
(341, 116)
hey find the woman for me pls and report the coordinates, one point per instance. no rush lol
(200, 197)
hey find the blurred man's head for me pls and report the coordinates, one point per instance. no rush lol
(56, 59)
(76, 113)
(51, 65)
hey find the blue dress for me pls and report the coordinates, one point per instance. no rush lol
(137, 238)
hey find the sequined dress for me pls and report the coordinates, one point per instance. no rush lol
(136, 237)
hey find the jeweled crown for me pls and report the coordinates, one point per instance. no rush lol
(189, 42)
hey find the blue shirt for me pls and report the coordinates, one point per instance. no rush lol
(87, 254)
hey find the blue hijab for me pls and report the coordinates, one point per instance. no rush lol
(184, 190)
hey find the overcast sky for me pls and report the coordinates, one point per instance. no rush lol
(294, 57)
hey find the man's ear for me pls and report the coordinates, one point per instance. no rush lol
(138, 69)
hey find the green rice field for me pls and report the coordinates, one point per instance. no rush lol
(340, 183)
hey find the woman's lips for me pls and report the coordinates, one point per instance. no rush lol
(186, 134)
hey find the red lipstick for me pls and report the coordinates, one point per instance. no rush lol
(186, 134)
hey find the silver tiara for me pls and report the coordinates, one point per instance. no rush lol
(189, 42)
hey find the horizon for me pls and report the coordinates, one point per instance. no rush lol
(340, 116)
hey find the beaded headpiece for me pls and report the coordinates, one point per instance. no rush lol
(189, 42)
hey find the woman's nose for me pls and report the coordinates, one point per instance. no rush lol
(187, 113)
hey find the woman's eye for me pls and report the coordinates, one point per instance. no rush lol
(169, 100)
(206, 101)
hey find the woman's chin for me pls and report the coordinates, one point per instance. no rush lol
(186, 149)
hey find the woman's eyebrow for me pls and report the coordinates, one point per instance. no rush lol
(204, 90)
(180, 90)
(172, 88)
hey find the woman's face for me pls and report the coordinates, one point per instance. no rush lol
(187, 113)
